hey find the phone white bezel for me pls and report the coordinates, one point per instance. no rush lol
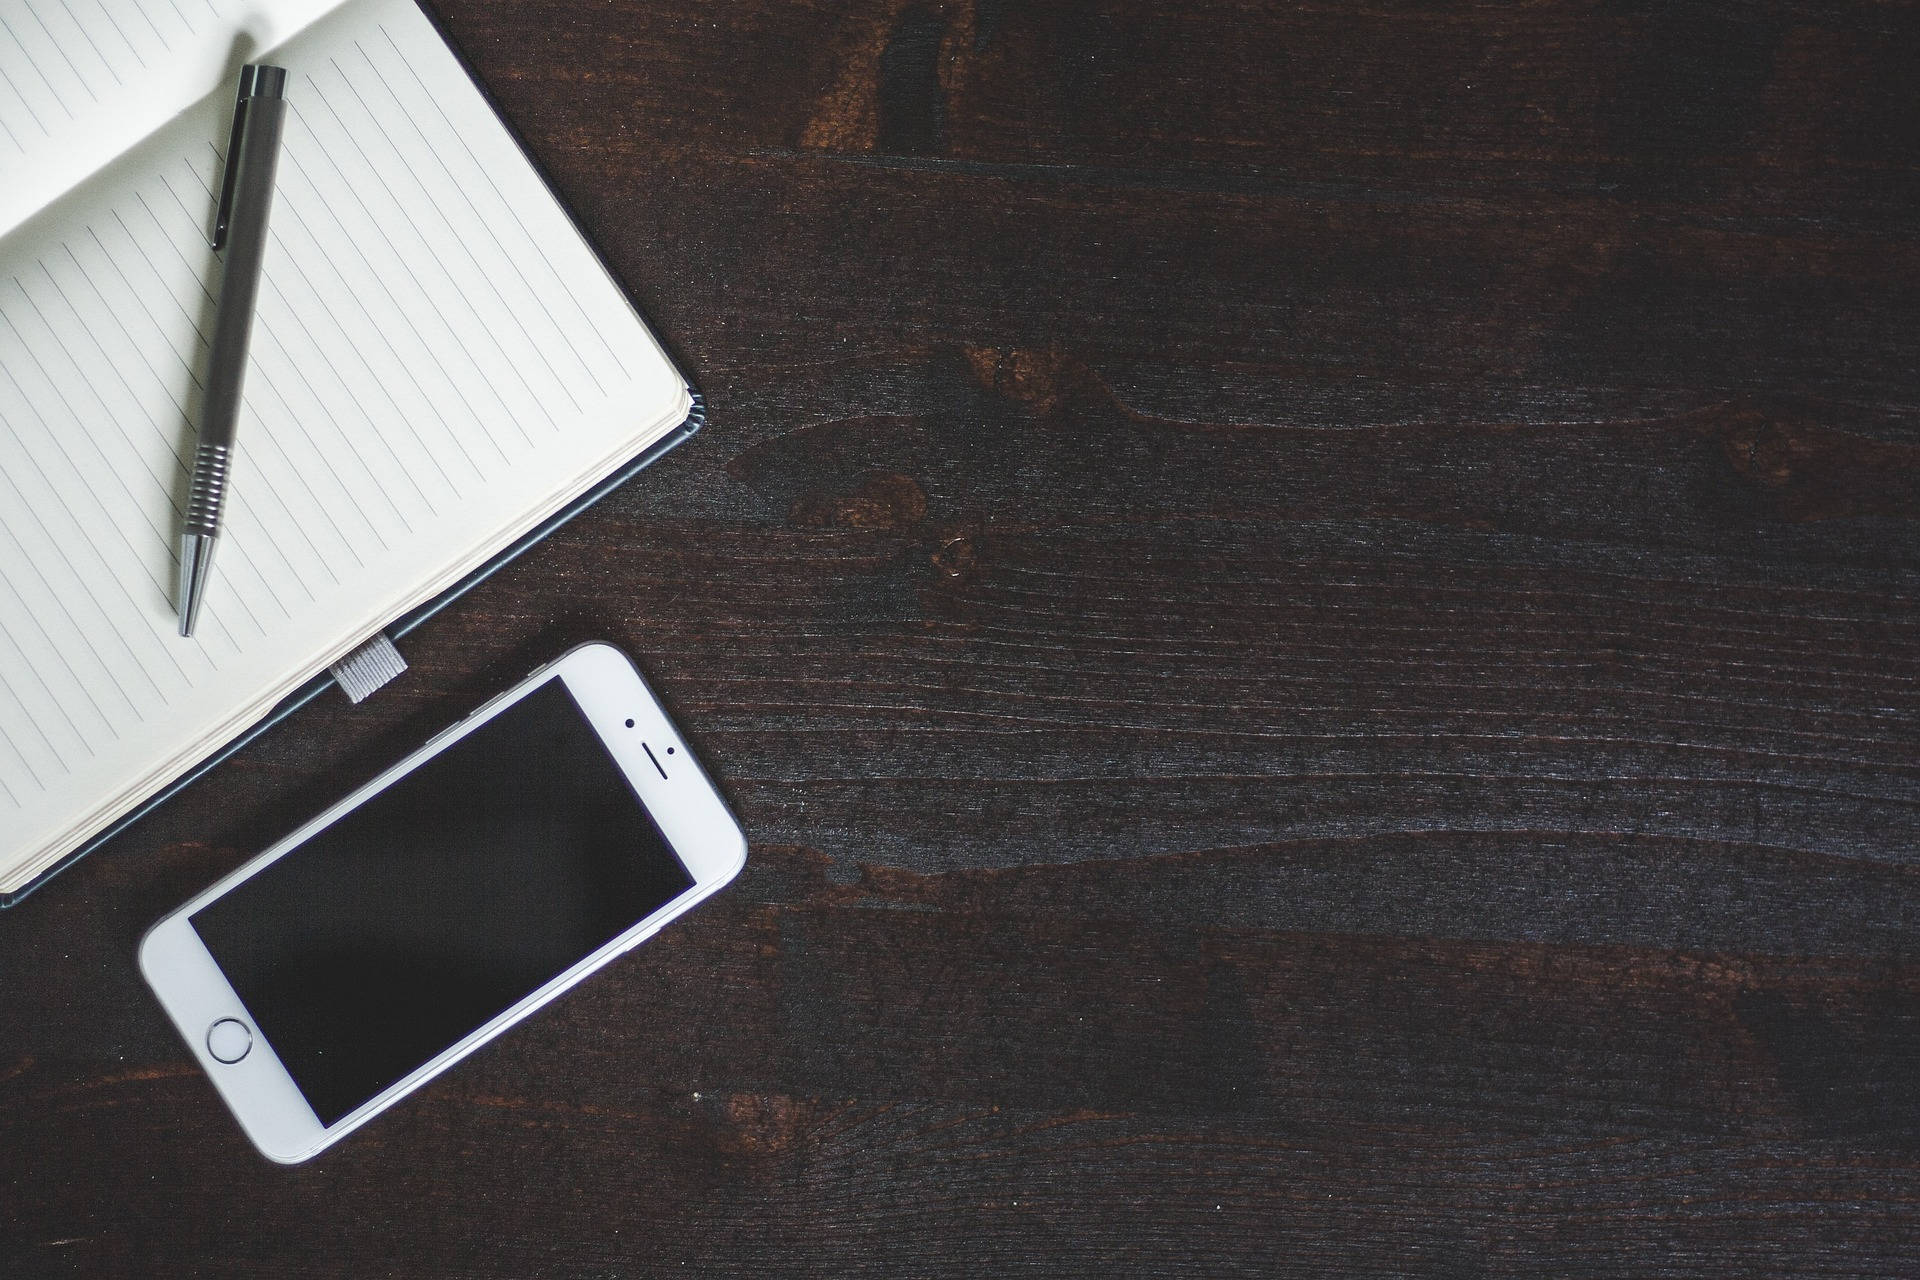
(258, 1090)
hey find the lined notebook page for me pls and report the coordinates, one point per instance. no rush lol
(83, 80)
(438, 363)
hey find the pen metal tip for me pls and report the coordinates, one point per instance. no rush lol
(196, 562)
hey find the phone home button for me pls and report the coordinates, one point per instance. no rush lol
(228, 1040)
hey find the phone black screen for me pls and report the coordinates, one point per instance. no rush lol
(441, 901)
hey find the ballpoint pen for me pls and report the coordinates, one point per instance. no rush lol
(240, 237)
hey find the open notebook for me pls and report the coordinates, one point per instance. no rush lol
(439, 365)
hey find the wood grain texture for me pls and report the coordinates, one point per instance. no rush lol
(1314, 613)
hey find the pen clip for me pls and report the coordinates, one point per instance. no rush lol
(257, 80)
(231, 170)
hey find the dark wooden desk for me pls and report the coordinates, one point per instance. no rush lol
(1313, 613)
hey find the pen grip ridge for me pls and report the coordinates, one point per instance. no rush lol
(209, 490)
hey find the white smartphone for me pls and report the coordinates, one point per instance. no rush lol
(555, 827)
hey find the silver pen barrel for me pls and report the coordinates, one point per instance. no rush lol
(240, 237)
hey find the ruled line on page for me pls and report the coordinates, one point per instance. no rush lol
(20, 540)
(298, 365)
(85, 373)
(295, 261)
(401, 113)
(315, 347)
(360, 300)
(190, 361)
(86, 640)
(382, 383)
(446, 315)
(166, 46)
(426, 243)
(121, 32)
(419, 295)
(323, 459)
(139, 300)
(115, 566)
(438, 208)
(92, 44)
(271, 487)
(46, 690)
(6, 78)
(62, 51)
(22, 717)
(6, 630)
(33, 64)
(179, 417)
(242, 502)
(493, 185)
(411, 278)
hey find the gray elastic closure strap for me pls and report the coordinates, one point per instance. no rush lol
(367, 668)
